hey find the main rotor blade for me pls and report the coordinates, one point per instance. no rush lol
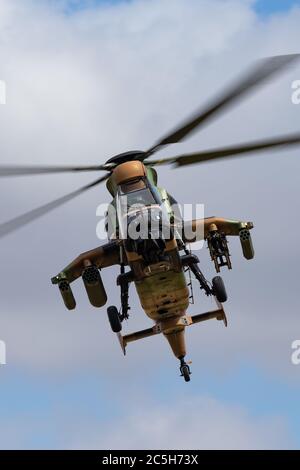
(34, 214)
(263, 70)
(15, 170)
(229, 152)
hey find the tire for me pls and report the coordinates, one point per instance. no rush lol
(114, 319)
(185, 370)
(219, 289)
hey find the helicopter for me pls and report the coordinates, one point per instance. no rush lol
(147, 236)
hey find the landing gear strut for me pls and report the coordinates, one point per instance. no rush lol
(123, 280)
(192, 261)
(115, 317)
(217, 289)
(185, 370)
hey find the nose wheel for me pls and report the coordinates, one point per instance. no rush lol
(185, 370)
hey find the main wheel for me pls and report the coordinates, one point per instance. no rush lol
(114, 319)
(219, 289)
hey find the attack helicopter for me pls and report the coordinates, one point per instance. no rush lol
(154, 259)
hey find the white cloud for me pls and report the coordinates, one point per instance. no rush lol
(191, 423)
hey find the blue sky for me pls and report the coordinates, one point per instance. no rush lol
(268, 7)
(263, 7)
(49, 405)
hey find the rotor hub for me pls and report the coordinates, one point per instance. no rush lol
(127, 157)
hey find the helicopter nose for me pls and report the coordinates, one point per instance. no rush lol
(147, 225)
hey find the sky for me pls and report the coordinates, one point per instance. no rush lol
(86, 81)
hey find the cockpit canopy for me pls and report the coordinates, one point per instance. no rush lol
(139, 208)
(137, 193)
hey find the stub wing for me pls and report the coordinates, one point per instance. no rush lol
(215, 231)
(87, 265)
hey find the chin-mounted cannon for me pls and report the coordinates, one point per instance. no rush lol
(218, 248)
(218, 245)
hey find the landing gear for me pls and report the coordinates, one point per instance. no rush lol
(191, 261)
(219, 290)
(123, 280)
(114, 319)
(114, 316)
(185, 370)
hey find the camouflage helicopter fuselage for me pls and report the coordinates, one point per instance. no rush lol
(147, 238)
(157, 264)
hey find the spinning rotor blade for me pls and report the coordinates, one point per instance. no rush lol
(229, 152)
(262, 71)
(34, 214)
(15, 170)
